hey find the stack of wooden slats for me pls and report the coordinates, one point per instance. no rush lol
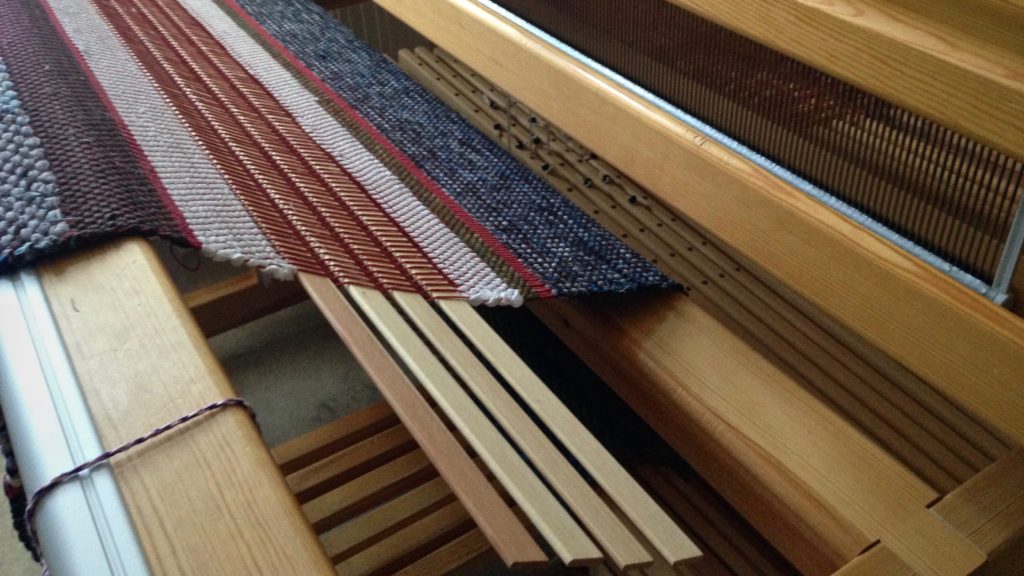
(380, 507)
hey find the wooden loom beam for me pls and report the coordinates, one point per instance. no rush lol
(955, 339)
(988, 509)
(957, 62)
(142, 361)
(798, 472)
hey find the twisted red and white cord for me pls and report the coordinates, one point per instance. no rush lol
(45, 489)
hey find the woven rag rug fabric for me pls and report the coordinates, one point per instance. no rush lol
(265, 133)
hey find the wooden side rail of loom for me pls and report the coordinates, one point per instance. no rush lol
(723, 419)
(208, 498)
(817, 488)
(988, 509)
(954, 61)
(957, 341)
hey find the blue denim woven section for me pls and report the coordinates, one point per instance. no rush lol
(567, 249)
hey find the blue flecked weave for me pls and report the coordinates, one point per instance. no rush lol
(571, 252)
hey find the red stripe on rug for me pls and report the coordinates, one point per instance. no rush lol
(534, 281)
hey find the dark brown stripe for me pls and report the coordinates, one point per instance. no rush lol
(89, 153)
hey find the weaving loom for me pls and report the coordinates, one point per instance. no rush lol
(788, 262)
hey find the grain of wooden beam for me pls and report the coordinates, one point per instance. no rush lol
(206, 498)
(803, 476)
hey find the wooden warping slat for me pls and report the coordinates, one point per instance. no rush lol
(515, 546)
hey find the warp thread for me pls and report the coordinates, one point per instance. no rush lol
(49, 487)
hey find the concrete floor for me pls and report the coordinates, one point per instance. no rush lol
(290, 365)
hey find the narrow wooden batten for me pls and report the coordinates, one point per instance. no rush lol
(496, 520)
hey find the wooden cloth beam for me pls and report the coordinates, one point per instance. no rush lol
(207, 498)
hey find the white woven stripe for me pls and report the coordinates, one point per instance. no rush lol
(215, 215)
(470, 274)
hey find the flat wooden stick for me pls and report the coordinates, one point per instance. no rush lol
(668, 539)
(614, 538)
(405, 544)
(352, 537)
(470, 547)
(510, 538)
(300, 452)
(550, 518)
(350, 463)
(368, 491)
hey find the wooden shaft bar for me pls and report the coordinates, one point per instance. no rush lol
(496, 520)
(334, 470)
(338, 435)
(955, 339)
(352, 537)
(466, 549)
(367, 491)
(404, 545)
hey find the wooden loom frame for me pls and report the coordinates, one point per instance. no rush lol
(128, 327)
(829, 260)
(818, 254)
(139, 291)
